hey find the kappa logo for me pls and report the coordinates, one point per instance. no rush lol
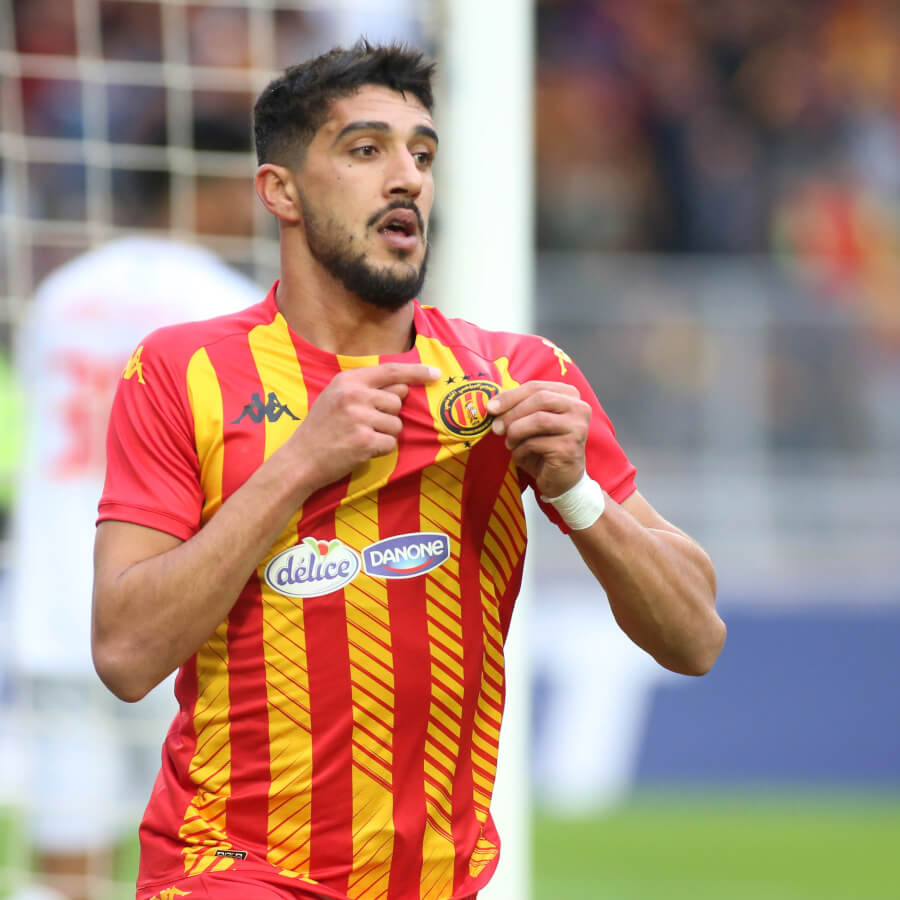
(171, 893)
(312, 568)
(560, 354)
(272, 410)
(406, 555)
(134, 366)
(464, 408)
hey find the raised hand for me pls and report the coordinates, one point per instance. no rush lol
(546, 427)
(356, 418)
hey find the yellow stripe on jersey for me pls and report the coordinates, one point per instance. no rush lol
(279, 373)
(374, 474)
(444, 624)
(441, 510)
(205, 395)
(434, 353)
(210, 767)
(507, 382)
(371, 680)
(284, 634)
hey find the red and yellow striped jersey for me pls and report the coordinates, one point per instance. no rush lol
(340, 727)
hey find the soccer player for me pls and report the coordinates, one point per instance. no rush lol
(313, 511)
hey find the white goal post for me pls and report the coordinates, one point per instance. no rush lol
(485, 273)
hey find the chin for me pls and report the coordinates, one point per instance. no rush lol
(408, 257)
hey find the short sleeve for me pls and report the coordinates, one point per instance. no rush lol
(153, 474)
(605, 460)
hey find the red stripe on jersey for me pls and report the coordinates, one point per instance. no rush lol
(247, 805)
(406, 598)
(486, 465)
(331, 848)
(155, 858)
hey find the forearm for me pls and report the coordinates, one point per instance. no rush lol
(661, 587)
(156, 612)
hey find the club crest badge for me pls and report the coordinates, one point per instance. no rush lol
(464, 408)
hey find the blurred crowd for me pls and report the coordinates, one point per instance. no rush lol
(716, 125)
(726, 126)
(667, 125)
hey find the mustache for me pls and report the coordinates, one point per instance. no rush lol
(397, 204)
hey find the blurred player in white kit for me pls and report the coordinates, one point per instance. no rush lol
(86, 777)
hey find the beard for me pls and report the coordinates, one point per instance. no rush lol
(382, 286)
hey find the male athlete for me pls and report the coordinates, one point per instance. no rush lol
(313, 511)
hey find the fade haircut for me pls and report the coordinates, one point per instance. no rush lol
(293, 107)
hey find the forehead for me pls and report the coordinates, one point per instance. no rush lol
(374, 103)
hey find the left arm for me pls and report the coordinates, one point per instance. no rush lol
(660, 583)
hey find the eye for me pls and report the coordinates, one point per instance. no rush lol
(424, 159)
(366, 151)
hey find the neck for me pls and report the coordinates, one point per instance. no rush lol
(324, 313)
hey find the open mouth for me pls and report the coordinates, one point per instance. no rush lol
(400, 230)
(396, 228)
(401, 222)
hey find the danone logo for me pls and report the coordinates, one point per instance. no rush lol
(407, 555)
(464, 408)
(312, 568)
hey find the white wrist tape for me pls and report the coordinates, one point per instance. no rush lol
(581, 505)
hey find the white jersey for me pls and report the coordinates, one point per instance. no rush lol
(82, 325)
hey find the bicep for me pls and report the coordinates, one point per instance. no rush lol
(120, 545)
(642, 510)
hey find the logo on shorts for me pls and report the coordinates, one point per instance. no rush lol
(232, 854)
(464, 408)
(406, 555)
(312, 568)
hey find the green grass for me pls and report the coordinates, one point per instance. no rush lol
(735, 846)
(753, 845)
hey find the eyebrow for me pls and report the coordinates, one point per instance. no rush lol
(385, 128)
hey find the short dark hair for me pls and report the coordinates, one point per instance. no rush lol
(293, 107)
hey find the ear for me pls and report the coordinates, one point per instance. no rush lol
(276, 187)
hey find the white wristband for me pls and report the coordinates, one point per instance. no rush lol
(581, 505)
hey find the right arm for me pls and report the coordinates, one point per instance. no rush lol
(157, 599)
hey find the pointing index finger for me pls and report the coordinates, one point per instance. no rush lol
(505, 400)
(387, 374)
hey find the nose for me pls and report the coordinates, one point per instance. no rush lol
(404, 177)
